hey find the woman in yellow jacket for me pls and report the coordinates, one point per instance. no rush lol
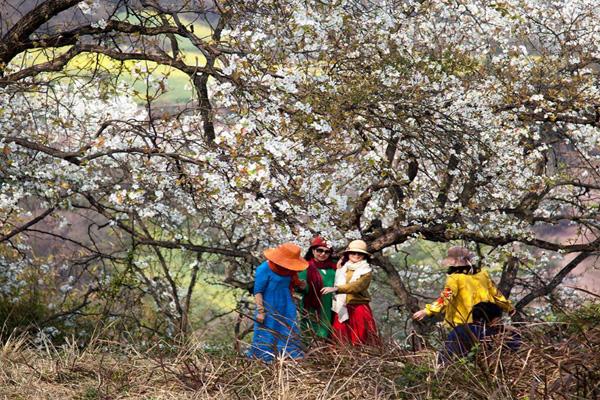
(465, 286)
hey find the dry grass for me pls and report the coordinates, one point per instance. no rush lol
(552, 364)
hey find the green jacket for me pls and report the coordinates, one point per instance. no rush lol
(312, 322)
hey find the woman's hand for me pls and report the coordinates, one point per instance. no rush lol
(260, 316)
(419, 315)
(260, 308)
(327, 290)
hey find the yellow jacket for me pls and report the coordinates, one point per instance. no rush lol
(461, 292)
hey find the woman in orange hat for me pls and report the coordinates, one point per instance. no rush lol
(466, 285)
(353, 321)
(275, 327)
(316, 307)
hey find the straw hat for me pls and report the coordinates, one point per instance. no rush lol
(357, 246)
(458, 257)
(287, 256)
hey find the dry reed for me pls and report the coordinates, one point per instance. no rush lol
(553, 363)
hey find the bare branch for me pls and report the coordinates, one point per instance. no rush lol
(24, 227)
(554, 282)
(12, 43)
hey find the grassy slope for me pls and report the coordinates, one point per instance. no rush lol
(556, 361)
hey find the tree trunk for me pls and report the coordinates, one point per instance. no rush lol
(410, 302)
(509, 274)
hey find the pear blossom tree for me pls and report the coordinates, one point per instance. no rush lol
(390, 121)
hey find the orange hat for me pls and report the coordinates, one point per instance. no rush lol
(287, 256)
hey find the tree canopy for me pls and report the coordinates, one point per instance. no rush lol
(385, 120)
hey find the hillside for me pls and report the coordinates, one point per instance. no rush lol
(559, 361)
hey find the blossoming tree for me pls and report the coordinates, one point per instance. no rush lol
(386, 120)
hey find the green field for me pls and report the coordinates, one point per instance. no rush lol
(150, 81)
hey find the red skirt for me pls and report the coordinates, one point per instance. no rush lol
(358, 329)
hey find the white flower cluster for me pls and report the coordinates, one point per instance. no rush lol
(471, 117)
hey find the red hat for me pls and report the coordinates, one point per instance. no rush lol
(287, 256)
(318, 241)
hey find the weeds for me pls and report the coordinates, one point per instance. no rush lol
(553, 363)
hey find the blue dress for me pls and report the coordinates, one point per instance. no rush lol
(279, 333)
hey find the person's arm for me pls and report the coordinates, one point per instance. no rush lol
(261, 280)
(260, 308)
(358, 286)
(301, 283)
(439, 305)
(328, 289)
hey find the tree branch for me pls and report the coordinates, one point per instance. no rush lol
(59, 62)
(558, 278)
(24, 227)
(71, 37)
(12, 43)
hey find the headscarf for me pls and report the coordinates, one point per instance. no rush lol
(339, 301)
(279, 270)
(312, 300)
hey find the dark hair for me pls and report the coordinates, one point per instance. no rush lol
(463, 269)
(486, 312)
(309, 254)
